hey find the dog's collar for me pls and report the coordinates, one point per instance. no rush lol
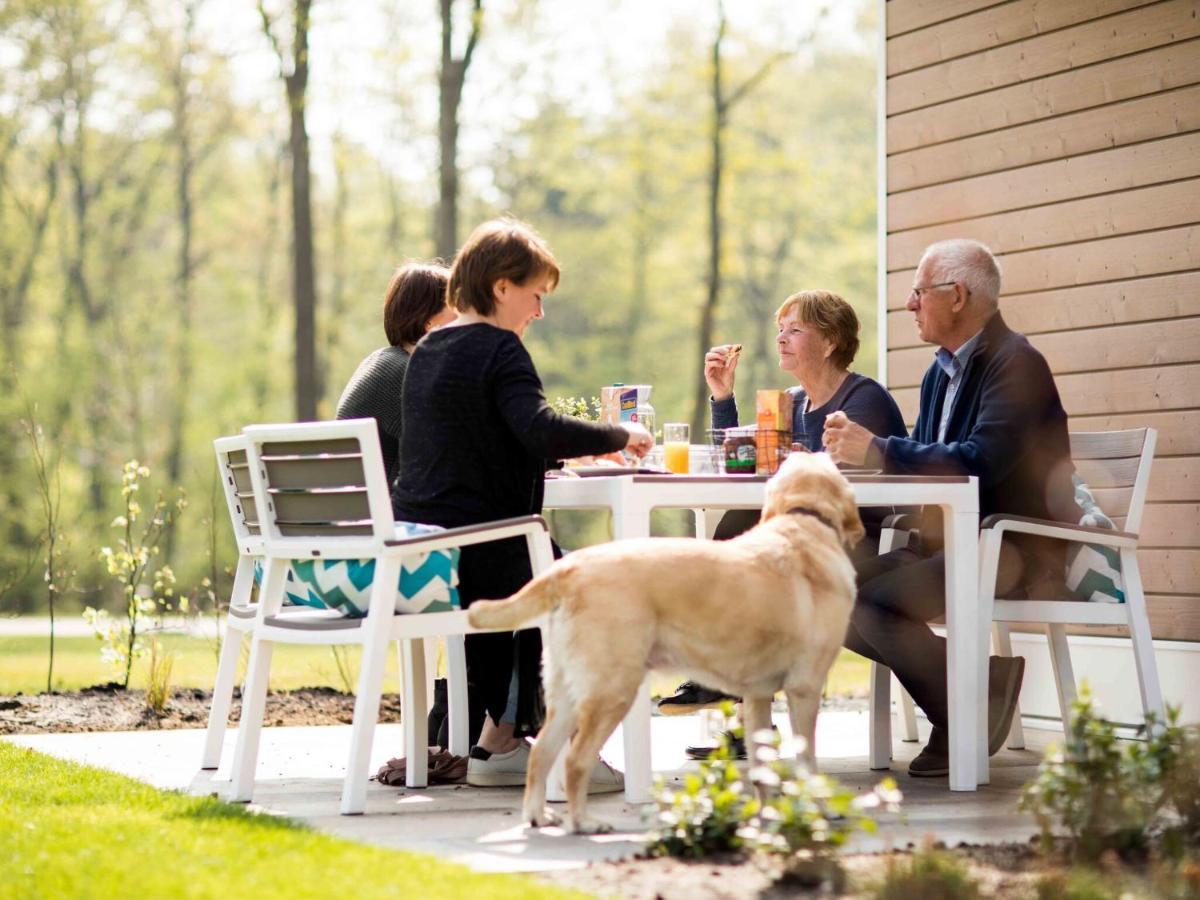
(809, 511)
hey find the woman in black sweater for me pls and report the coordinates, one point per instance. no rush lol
(480, 436)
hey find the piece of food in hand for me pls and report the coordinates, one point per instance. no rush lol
(732, 353)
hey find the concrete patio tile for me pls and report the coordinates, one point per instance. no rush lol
(300, 776)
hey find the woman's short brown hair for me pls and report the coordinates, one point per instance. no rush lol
(415, 295)
(501, 248)
(832, 316)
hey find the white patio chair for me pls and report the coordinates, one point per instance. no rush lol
(321, 492)
(1116, 466)
(234, 470)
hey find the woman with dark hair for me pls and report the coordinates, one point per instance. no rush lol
(414, 304)
(487, 436)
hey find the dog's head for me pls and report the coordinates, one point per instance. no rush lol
(812, 481)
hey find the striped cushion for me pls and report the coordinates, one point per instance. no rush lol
(428, 582)
(1093, 571)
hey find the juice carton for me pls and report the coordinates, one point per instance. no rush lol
(774, 436)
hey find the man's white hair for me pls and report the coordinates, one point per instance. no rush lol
(970, 263)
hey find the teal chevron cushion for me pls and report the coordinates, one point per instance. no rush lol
(1093, 571)
(428, 581)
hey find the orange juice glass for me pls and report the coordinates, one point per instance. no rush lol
(675, 447)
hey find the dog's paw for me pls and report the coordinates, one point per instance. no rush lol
(589, 826)
(543, 818)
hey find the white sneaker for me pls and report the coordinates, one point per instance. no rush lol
(605, 779)
(509, 770)
(499, 769)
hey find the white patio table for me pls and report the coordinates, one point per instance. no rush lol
(632, 497)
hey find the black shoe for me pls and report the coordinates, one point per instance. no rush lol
(1004, 687)
(934, 758)
(737, 744)
(690, 697)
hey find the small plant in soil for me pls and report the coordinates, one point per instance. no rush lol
(781, 811)
(930, 874)
(129, 563)
(1106, 794)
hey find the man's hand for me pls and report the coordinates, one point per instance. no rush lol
(846, 441)
(720, 363)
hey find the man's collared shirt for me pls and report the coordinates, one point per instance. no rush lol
(953, 364)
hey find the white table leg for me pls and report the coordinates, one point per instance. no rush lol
(967, 706)
(629, 521)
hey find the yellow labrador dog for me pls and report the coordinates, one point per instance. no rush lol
(764, 612)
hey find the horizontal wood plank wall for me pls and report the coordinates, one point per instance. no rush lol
(1066, 136)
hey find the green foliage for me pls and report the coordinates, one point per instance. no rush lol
(929, 874)
(787, 812)
(580, 408)
(1104, 793)
(129, 565)
(68, 830)
(707, 814)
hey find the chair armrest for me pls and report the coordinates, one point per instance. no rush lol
(471, 534)
(902, 522)
(1059, 531)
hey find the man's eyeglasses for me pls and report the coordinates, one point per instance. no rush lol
(919, 292)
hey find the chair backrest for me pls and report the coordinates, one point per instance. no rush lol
(233, 465)
(317, 482)
(1116, 466)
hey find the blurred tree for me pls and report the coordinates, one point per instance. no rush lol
(294, 72)
(451, 77)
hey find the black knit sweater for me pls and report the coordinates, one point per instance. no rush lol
(374, 392)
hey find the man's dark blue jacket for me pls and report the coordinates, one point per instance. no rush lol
(1008, 427)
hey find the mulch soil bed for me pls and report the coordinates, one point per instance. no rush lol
(110, 708)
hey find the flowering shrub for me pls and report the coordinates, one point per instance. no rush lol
(129, 564)
(579, 407)
(785, 811)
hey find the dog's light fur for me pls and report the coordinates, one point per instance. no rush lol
(764, 612)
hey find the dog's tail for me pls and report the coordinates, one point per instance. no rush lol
(535, 599)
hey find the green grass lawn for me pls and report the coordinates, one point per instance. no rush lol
(77, 664)
(68, 830)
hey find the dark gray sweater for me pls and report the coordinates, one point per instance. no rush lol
(374, 392)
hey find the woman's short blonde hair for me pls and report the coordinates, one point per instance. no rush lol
(831, 316)
(501, 248)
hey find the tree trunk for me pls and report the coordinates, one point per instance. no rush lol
(452, 76)
(304, 295)
(715, 171)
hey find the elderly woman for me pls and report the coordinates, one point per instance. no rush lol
(415, 303)
(487, 436)
(817, 341)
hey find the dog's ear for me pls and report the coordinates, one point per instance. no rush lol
(852, 526)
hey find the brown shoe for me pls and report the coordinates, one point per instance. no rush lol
(934, 759)
(1004, 688)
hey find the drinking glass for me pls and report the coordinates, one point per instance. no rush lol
(676, 437)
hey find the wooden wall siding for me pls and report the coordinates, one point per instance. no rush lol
(1066, 136)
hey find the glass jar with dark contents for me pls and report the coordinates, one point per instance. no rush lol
(740, 452)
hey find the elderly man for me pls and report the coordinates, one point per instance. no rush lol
(989, 408)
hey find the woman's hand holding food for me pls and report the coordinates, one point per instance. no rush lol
(720, 363)
(639, 441)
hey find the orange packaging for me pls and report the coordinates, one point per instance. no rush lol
(773, 438)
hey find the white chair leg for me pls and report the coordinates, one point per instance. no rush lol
(1064, 673)
(456, 694)
(222, 698)
(415, 714)
(430, 672)
(908, 711)
(254, 701)
(375, 636)
(636, 736)
(880, 724)
(231, 651)
(1016, 734)
(1141, 638)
